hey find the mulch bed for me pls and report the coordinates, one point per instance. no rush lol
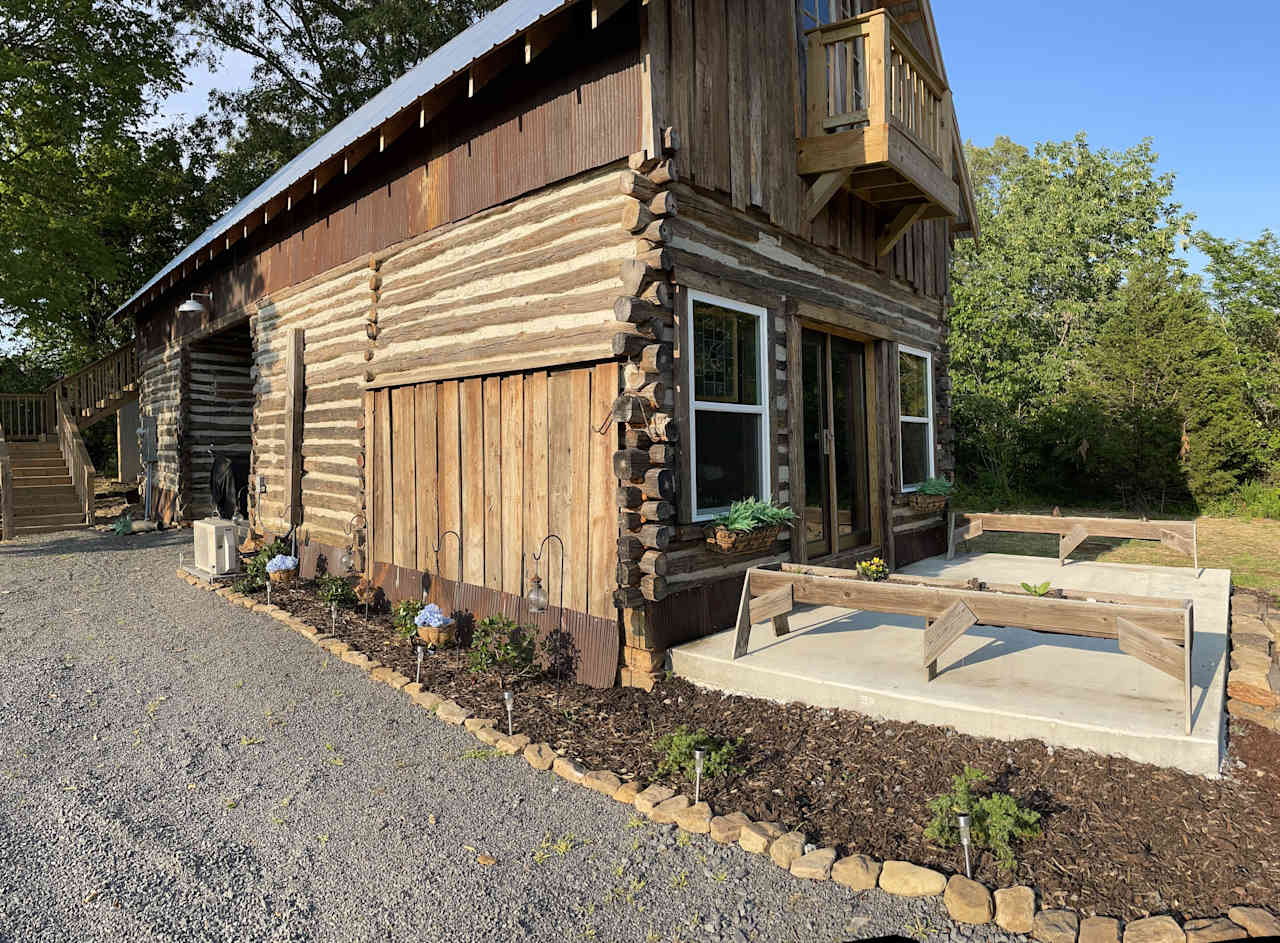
(1120, 838)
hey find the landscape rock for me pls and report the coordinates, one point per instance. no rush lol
(910, 880)
(568, 769)
(1252, 687)
(628, 791)
(726, 829)
(648, 799)
(397, 680)
(475, 723)
(695, 819)
(786, 849)
(412, 688)
(382, 673)
(359, 659)
(758, 836)
(539, 755)
(490, 735)
(1213, 930)
(1154, 930)
(1099, 930)
(967, 901)
(857, 872)
(814, 866)
(1016, 909)
(1257, 921)
(664, 813)
(427, 699)
(1056, 926)
(602, 781)
(451, 712)
(510, 746)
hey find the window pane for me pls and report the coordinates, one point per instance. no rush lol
(728, 447)
(726, 360)
(912, 385)
(915, 453)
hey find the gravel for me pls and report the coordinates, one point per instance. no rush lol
(176, 768)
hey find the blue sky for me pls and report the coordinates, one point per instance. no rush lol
(1194, 81)
(1197, 78)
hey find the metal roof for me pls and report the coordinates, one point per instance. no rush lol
(495, 29)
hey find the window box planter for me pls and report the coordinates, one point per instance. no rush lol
(441, 636)
(284, 577)
(928, 503)
(722, 540)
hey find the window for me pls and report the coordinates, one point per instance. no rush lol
(915, 409)
(814, 13)
(729, 412)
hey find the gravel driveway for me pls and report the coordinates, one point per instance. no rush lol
(176, 768)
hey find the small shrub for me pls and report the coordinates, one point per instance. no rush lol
(255, 567)
(335, 589)
(997, 821)
(677, 753)
(404, 617)
(749, 514)
(874, 569)
(123, 526)
(502, 648)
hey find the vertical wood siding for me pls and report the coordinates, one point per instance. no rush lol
(504, 461)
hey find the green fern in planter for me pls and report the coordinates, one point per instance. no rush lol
(749, 514)
(938, 486)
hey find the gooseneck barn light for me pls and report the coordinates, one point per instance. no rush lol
(192, 306)
(537, 595)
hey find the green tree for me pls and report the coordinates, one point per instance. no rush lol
(91, 197)
(1244, 280)
(1175, 422)
(1061, 225)
(314, 62)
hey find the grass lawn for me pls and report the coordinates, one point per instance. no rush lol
(1250, 549)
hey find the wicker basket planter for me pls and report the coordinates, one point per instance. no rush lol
(283, 577)
(723, 540)
(928, 503)
(439, 636)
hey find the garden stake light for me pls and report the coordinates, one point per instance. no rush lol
(699, 757)
(509, 699)
(418, 677)
(962, 819)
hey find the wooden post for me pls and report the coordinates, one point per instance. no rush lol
(743, 634)
(295, 401)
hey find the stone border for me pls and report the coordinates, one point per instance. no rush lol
(1013, 909)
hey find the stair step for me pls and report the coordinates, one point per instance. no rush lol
(31, 481)
(53, 461)
(38, 520)
(29, 530)
(47, 507)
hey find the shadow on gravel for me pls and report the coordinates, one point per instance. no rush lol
(88, 541)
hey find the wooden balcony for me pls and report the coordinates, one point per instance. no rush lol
(879, 122)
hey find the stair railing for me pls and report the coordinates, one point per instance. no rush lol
(76, 457)
(6, 489)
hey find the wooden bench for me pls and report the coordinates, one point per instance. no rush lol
(1159, 632)
(1073, 531)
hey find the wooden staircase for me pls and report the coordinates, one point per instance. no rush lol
(44, 497)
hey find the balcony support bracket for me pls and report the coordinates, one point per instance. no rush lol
(901, 223)
(823, 189)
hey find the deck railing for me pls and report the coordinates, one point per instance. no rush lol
(864, 71)
(88, 390)
(27, 417)
(6, 489)
(76, 457)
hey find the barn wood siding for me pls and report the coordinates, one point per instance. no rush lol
(161, 394)
(733, 96)
(510, 459)
(574, 108)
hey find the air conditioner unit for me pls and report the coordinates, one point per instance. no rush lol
(216, 540)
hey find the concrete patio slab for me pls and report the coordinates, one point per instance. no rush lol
(995, 681)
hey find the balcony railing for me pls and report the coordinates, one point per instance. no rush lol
(875, 104)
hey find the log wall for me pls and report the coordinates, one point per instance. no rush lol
(220, 407)
(163, 377)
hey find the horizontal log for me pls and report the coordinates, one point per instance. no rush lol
(630, 547)
(629, 345)
(660, 483)
(638, 311)
(656, 230)
(637, 186)
(656, 536)
(663, 426)
(670, 140)
(642, 162)
(664, 204)
(628, 597)
(637, 439)
(630, 496)
(629, 520)
(635, 217)
(628, 573)
(653, 587)
(663, 454)
(665, 173)
(654, 562)
(656, 358)
(657, 511)
(630, 464)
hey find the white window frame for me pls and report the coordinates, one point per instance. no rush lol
(926, 421)
(696, 405)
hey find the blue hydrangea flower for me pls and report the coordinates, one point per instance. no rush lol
(281, 563)
(431, 616)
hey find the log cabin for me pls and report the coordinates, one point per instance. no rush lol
(593, 269)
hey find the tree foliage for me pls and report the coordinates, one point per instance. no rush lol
(1085, 363)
